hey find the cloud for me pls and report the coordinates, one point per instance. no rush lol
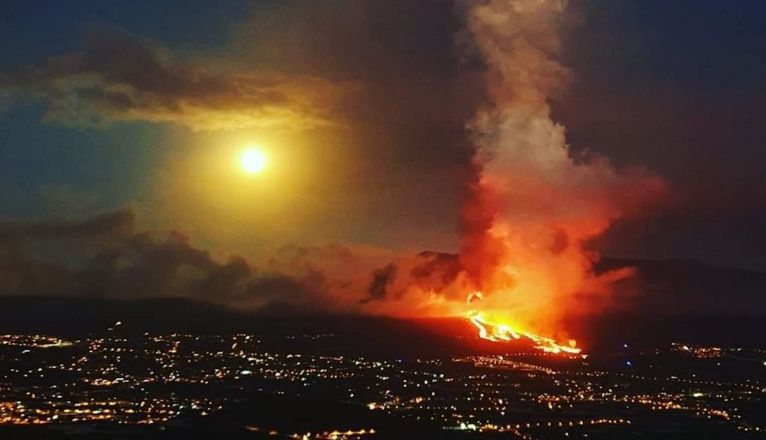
(381, 279)
(119, 77)
(105, 256)
(435, 270)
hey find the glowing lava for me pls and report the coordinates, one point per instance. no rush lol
(499, 332)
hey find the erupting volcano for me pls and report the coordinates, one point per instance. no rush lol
(534, 201)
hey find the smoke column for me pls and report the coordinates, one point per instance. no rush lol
(532, 206)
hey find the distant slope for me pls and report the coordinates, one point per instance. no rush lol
(77, 315)
(690, 288)
(668, 300)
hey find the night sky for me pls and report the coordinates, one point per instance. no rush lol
(126, 114)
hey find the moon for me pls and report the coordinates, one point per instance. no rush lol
(253, 161)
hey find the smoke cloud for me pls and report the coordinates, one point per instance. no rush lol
(381, 279)
(533, 204)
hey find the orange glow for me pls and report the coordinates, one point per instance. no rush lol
(498, 332)
(504, 332)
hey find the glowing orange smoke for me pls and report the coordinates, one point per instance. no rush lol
(534, 202)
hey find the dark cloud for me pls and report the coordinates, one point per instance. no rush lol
(115, 261)
(435, 270)
(106, 256)
(381, 279)
(119, 77)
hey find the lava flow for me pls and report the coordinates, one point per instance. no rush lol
(498, 332)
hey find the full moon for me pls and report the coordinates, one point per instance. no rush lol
(253, 161)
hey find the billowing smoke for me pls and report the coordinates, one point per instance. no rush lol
(381, 280)
(533, 204)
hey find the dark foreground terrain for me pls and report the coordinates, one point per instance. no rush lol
(315, 379)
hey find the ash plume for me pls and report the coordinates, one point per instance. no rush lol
(533, 204)
(381, 279)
